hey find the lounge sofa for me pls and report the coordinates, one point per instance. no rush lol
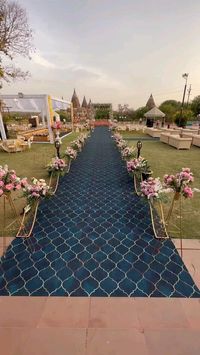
(191, 130)
(164, 137)
(173, 131)
(153, 132)
(196, 140)
(180, 142)
(13, 145)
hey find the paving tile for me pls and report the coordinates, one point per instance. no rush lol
(65, 312)
(115, 342)
(21, 312)
(11, 339)
(162, 313)
(180, 341)
(191, 259)
(115, 313)
(52, 341)
(192, 311)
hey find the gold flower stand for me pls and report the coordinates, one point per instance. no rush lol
(8, 205)
(137, 179)
(158, 221)
(29, 214)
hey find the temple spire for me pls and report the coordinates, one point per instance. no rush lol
(75, 100)
(150, 103)
(84, 103)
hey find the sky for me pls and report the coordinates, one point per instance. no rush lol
(117, 51)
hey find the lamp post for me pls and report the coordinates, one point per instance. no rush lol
(185, 76)
(139, 147)
(57, 144)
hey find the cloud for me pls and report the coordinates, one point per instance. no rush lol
(100, 78)
(37, 58)
(95, 72)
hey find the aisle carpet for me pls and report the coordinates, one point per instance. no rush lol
(94, 238)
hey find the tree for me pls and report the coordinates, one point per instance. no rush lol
(139, 113)
(170, 108)
(102, 114)
(181, 119)
(195, 105)
(65, 115)
(15, 39)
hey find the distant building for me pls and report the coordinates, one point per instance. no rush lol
(86, 111)
(80, 112)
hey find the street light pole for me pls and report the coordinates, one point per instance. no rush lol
(189, 92)
(57, 144)
(185, 76)
(139, 147)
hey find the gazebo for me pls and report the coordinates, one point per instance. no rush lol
(153, 114)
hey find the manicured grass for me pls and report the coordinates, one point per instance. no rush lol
(30, 163)
(165, 159)
(133, 134)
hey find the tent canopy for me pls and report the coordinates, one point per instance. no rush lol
(32, 103)
(154, 113)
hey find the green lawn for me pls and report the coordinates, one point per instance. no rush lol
(168, 160)
(133, 134)
(30, 163)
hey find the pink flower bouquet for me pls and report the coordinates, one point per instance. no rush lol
(82, 138)
(117, 137)
(57, 166)
(9, 181)
(37, 190)
(180, 183)
(57, 125)
(138, 165)
(127, 152)
(71, 153)
(121, 144)
(151, 188)
(76, 145)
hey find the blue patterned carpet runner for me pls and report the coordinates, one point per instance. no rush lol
(94, 238)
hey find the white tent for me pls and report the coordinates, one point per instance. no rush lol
(2, 129)
(44, 105)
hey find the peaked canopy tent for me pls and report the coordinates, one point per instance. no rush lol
(153, 114)
(43, 105)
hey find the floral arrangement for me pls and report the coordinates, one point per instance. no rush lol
(117, 137)
(71, 153)
(56, 166)
(76, 145)
(151, 188)
(121, 144)
(38, 189)
(138, 165)
(82, 138)
(127, 152)
(57, 125)
(9, 181)
(180, 183)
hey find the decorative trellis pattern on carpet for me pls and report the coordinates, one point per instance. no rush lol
(94, 238)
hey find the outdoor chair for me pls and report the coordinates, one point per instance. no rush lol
(153, 132)
(196, 140)
(180, 143)
(164, 137)
(13, 145)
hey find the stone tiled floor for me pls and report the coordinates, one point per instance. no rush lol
(99, 326)
(94, 238)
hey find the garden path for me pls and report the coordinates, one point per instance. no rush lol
(94, 238)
